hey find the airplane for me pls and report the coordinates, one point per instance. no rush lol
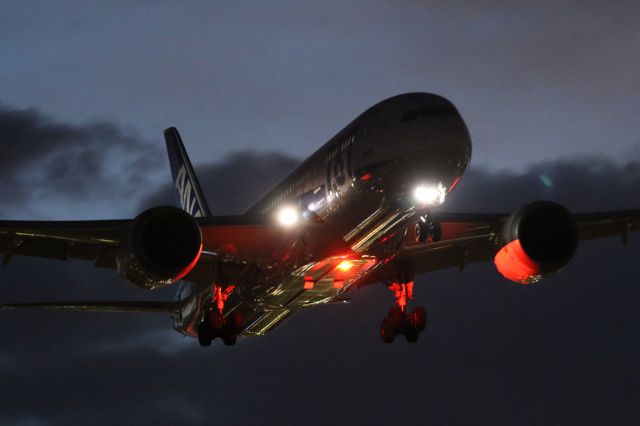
(361, 210)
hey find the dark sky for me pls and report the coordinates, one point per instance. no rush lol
(549, 90)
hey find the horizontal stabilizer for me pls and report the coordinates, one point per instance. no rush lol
(111, 306)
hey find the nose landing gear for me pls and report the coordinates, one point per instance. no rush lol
(398, 321)
(216, 324)
(428, 230)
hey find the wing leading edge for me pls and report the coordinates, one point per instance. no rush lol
(473, 238)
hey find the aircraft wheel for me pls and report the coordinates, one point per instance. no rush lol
(422, 231)
(235, 322)
(428, 231)
(412, 334)
(395, 320)
(204, 335)
(217, 321)
(386, 331)
(419, 316)
(435, 232)
(229, 339)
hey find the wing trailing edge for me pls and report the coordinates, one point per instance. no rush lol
(102, 306)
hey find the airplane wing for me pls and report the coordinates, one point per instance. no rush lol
(243, 238)
(472, 238)
(232, 238)
(96, 241)
(466, 239)
(105, 306)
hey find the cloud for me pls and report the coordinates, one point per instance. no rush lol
(46, 163)
(494, 352)
(233, 183)
(585, 183)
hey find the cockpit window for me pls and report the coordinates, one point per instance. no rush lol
(427, 111)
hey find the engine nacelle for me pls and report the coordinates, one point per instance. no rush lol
(539, 240)
(160, 247)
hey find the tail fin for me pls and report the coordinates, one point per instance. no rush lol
(188, 192)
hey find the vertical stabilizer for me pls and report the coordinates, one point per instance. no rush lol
(188, 192)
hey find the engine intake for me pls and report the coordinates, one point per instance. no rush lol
(160, 247)
(539, 240)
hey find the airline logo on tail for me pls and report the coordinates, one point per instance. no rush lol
(186, 194)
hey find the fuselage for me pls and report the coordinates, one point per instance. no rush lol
(359, 188)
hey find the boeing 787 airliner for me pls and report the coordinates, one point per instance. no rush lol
(361, 210)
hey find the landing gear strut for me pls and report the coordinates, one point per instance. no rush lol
(216, 324)
(398, 321)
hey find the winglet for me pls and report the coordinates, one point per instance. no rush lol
(188, 192)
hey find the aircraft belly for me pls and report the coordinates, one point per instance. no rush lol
(313, 284)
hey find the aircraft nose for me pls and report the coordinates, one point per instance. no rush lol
(418, 139)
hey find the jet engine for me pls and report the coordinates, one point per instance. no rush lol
(160, 247)
(539, 240)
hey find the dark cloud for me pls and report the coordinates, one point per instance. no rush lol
(44, 161)
(564, 351)
(533, 79)
(235, 182)
(584, 183)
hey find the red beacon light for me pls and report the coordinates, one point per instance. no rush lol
(345, 265)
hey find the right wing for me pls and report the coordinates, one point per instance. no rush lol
(243, 238)
(96, 241)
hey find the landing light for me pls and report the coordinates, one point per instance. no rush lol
(430, 195)
(288, 216)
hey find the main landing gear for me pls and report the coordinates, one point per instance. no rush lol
(216, 324)
(398, 321)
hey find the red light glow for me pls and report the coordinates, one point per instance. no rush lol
(365, 177)
(514, 264)
(189, 267)
(308, 282)
(345, 265)
(455, 182)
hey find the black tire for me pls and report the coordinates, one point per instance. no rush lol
(204, 335)
(412, 334)
(395, 320)
(386, 332)
(235, 322)
(435, 232)
(419, 316)
(422, 232)
(230, 339)
(216, 321)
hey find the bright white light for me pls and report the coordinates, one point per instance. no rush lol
(288, 216)
(345, 265)
(429, 195)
